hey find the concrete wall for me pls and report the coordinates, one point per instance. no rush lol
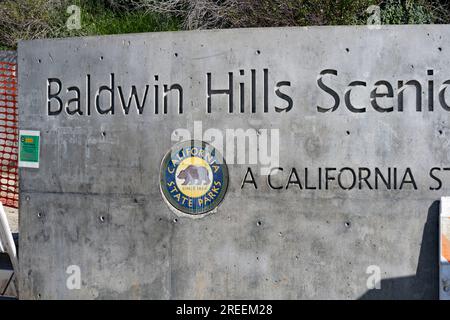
(95, 201)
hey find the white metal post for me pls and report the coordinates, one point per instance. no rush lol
(7, 240)
(444, 250)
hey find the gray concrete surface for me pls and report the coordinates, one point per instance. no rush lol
(95, 200)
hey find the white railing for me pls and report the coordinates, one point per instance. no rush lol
(7, 244)
(444, 250)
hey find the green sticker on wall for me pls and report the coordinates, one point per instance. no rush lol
(29, 145)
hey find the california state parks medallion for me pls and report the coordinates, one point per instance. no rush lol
(193, 177)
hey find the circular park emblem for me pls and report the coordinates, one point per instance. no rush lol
(194, 178)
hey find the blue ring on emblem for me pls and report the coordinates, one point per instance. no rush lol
(193, 178)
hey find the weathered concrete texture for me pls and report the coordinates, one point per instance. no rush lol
(95, 200)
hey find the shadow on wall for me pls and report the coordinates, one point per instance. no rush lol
(425, 284)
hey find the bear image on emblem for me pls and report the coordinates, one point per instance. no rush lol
(194, 175)
(193, 178)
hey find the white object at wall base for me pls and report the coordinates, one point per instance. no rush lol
(8, 246)
(444, 249)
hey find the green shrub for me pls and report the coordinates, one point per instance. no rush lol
(267, 13)
(114, 18)
(406, 12)
(24, 19)
(30, 19)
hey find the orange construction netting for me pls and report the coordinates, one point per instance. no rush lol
(9, 174)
